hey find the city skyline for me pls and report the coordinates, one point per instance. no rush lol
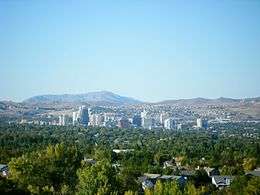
(148, 50)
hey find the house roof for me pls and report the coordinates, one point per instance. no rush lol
(152, 176)
(254, 173)
(147, 184)
(2, 166)
(220, 179)
(177, 177)
(166, 177)
(187, 173)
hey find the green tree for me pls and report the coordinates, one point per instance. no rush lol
(97, 179)
(253, 186)
(48, 170)
(249, 164)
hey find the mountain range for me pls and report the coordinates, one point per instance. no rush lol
(205, 101)
(91, 97)
(101, 97)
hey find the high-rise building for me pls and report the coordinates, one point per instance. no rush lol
(147, 123)
(163, 116)
(123, 123)
(75, 116)
(137, 121)
(109, 117)
(202, 123)
(143, 114)
(83, 116)
(179, 127)
(169, 123)
(96, 120)
(63, 120)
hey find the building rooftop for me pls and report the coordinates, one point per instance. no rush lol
(152, 176)
(254, 173)
(2, 166)
(222, 180)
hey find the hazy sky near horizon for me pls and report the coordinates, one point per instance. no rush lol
(149, 50)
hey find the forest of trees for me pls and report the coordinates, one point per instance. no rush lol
(51, 159)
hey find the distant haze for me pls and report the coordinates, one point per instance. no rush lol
(116, 99)
(149, 50)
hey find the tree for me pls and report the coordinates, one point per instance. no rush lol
(190, 189)
(128, 179)
(97, 179)
(249, 164)
(201, 178)
(159, 188)
(49, 170)
(239, 184)
(253, 186)
(129, 192)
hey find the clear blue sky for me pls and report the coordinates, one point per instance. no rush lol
(150, 50)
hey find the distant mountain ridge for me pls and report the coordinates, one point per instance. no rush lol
(106, 97)
(100, 96)
(205, 101)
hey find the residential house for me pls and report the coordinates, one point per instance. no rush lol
(187, 173)
(3, 170)
(90, 161)
(181, 180)
(148, 180)
(222, 181)
(255, 172)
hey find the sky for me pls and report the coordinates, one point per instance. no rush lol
(149, 50)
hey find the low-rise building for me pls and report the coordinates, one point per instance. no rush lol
(255, 172)
(149, 180)
(222, 181)
(3, 170)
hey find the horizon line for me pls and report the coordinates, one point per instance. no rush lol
(107, 91)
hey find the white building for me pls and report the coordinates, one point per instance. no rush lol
(163, 117)
(221, 181)
(202, 123)
(75, 117)
(144, 114)
(169, 124)
(147, 123)
(96, 119)
(109, 117)
(179, 127)
(63, 120)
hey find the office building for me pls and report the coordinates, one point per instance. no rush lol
(147, 123)
(123, 123)
(63, 120)
(169, 124)
(75, 117)
(202, 123)
(96, 120)
(137, 121)
(163, 117)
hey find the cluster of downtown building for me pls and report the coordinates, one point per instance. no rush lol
(145, 119)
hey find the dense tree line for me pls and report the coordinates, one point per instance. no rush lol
(51, 159)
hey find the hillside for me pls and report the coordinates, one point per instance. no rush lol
(206, 102)
(91, 97)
